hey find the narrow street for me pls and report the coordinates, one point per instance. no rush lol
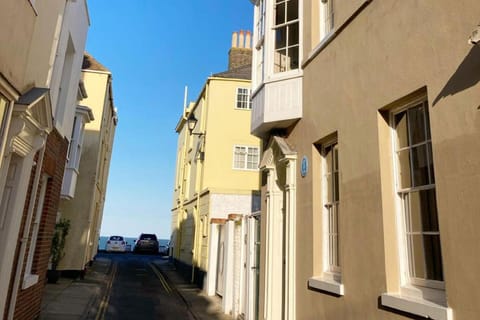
(129, 286)
(137, 290)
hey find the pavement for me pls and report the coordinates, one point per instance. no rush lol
(82, 299)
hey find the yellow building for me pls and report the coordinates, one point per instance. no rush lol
(83, 204)
(217, 177)
(376, 103)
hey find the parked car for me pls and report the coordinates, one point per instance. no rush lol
(164, 248)
(115, 244)
(147, 242)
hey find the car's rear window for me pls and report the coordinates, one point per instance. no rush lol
(148, 237)
(116, 238)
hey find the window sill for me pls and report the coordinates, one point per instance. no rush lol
(416, 306)
(328, 285)
(29, 280)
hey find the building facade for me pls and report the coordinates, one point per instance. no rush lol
(368, 111)
(83, 205)
(36, 126)
(217, 181)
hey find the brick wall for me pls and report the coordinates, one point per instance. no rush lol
(239, 57)
(29, 300)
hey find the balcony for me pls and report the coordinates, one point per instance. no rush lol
(276, 105)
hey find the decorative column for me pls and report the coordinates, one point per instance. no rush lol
(290, 236)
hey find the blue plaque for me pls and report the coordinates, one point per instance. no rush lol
(304, 167)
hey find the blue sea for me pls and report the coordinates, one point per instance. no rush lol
(130, 241)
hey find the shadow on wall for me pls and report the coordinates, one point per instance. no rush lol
(183, 238)
(467, 75)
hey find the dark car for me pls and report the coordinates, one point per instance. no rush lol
(164, 248)
(147, 242)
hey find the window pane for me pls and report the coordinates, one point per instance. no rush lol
(239, 161)
(293, 34)
(336, 191)
(280, 13)
(420, 166)
(281, 37)
(423, 211)
(427, 120)
(417, 262)
(401, 130)
(292, 13)
(433, 257)
(292, 62)
(280, 61)
(335, 159)
(416, 122)
(252, 160)
(430, 163)
(404, 169)
(426, 257)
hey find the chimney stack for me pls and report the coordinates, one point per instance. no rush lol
(240, 53)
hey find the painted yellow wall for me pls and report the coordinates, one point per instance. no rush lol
(223, 126)
(226, 127)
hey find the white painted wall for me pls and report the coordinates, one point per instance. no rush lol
(72, 42)
(221, 205)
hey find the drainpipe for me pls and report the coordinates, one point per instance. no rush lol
(26, 230)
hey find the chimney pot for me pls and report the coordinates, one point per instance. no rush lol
(241, 40)
(234, 39)
(248, 40)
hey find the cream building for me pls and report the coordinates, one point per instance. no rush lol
(84, 200)
(216, 183)
(369, 110)
(36, 123)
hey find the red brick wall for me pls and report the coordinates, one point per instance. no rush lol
(28, 301)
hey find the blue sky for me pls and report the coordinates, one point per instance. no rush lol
(154, 48)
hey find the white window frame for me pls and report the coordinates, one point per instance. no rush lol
(331, 250)
(259, 59)
(424, 297)
(242, 99)
(407, 278)
(29, 278)
(246, 154)
(331, 278)
(326, 18)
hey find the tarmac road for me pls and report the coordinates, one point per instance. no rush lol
(137, 290)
